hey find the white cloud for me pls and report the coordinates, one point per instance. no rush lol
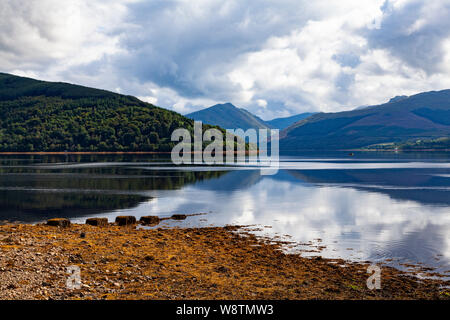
(261, 103)
(275, 58)
(46, 37)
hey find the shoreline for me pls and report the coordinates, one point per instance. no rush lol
(80, 152)
(183, 263)
(287, 152)
(103, 152)
(402, 150)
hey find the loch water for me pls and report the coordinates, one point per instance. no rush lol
(391, 208)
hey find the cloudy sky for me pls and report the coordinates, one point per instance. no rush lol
(275, 58)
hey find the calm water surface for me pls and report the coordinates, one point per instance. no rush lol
(388, 207)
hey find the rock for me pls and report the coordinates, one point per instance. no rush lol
(76, 258)
(222, 269)
(179, 216)
(125, 220)
(99, 222)
(150, 220)
(8, 240)
(59, 222)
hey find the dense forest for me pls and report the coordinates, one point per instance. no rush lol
(47, 116)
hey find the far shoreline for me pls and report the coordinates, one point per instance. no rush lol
(79, 152)
(400, 151)
(94, 152)
(286, 153)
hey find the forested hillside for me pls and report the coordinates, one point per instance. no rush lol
(47, 116)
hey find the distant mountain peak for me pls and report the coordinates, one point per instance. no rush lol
(226, 104)
(285, 122)
(228, 116)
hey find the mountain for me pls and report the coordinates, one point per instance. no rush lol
(283, 123)
(229, 117)
(52, 116)
(421, 116)
(394, 99)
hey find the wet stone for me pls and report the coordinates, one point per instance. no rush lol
(59, 222)
(150, 220)
(125, 220)
(179, 216)
(99, 222)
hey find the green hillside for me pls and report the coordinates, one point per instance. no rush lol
(419, 144)
(47, 116)
(422, 116)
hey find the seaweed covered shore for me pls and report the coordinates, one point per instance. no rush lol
(125, 262)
